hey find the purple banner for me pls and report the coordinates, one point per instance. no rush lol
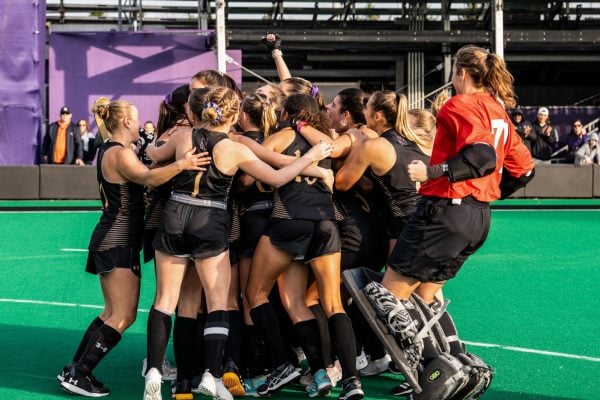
(22, 37)
(141, 67)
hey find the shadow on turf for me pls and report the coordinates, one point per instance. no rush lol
(33, 356)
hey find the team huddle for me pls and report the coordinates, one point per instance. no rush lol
(254, 209)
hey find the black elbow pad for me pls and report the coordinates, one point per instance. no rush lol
(509, 184)
(474, 161)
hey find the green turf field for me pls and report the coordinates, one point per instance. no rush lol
(527, 303)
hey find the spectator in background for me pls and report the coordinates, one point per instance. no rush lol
(523, 127)
(546, 137)
(146, 137)
(90, 142)
(62, 142)
(588, 153)
(576, 138)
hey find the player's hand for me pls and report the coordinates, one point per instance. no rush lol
(79, 161)
(195, 162)
(319, 151)
(272, 41)
(417, 171)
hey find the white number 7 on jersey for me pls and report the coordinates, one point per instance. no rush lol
(499, 130)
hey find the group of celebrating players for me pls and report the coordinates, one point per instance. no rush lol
(255, 204)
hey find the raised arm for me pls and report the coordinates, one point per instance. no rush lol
(273, 43)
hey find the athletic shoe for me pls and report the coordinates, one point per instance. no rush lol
(278, 378)
(335, 373)
(305, 379)
(61, 377)
(82, 385)
(252, 384)
(207, 386)
(182, 390)
(361, 360)
(232, 380)
(351, 390)
(169, 372)
(376, 367)
(222, 392)
(403, 389)
(152, 386)
(320, 385)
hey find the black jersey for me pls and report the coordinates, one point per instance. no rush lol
(211, 184)
(156, 198)
(122, 220)
(304, 197)
(259, 192)
(400, 192)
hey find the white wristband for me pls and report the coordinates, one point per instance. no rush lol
(276, 53)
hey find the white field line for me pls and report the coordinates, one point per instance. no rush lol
(477, 344)
(533, 351)
(75, 250)
(58, 304)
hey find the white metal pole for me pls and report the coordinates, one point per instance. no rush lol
(221, 39)
(498, 27)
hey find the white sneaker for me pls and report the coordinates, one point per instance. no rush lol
(221, 391)
(361, 360)
(152, 386)
(169, 372)
(376, 367)
(207, 385)
(335, 373)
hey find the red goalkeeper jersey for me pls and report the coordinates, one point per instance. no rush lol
(476, 118)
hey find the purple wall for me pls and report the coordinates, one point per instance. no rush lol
(22, 40)
(140, 67)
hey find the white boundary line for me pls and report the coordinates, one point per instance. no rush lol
(59, 304)
(533, 351)
(75, 250)
(477, 344)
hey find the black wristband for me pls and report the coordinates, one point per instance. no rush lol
(435, 171)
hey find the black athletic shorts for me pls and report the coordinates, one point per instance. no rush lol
(100, 262)
(305, 239)
(364, 242)
(192, 231)
(439, 238)
(253, 225)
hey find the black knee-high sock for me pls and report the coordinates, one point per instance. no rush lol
(215, 340)
(103, 341)
(234, 340)
(158, 332)
(307, 333)
(199, 348)
(96, 323)
(325, 336)
(343, 337)
(184, 346)
(368, 339)
(447, 324)
(264, 319)
(254, 353)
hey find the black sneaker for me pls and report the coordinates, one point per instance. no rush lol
(403, 389)
(351, 389)
(278, 378)
(82, 385)
(69, 367)
(182, 390)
